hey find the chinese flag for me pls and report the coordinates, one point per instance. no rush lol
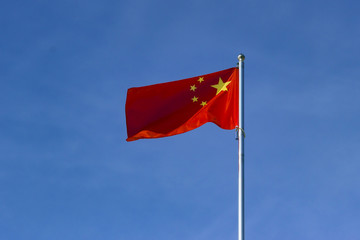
(171, 108)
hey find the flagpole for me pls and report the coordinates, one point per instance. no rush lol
(241, 136)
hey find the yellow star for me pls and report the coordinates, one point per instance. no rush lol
(221, 86)
(201, 79)
(192, 88)
(194, 99)
(203, 103)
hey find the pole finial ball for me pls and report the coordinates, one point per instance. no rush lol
(241, 57)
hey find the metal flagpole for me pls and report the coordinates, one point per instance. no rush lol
(241, 136)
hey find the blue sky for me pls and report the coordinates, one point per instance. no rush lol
(66, 171)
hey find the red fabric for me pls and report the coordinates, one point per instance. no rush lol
(168, 109)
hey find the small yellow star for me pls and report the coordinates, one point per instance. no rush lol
(203, 103)
(194, 99)
(192, 88)
(221, 86)
(201, 79)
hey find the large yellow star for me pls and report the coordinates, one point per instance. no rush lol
(221, 86)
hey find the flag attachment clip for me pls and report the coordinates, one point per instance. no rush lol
(237, 132)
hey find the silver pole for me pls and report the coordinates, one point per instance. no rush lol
(241, 136)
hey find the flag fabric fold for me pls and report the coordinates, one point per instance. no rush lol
(171, 108)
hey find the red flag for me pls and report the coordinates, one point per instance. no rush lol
(171, 108)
